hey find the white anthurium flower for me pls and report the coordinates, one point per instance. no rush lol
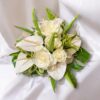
(60, 55)
(31, 43)
(77, 43)
(49, 27)
(23, 63)
(43, 58)
(57, 42)
(57, 71)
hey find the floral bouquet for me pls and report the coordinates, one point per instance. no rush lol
(52, 48)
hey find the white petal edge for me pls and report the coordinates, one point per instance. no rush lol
(23, 63)
(31, 43)
(57, 71)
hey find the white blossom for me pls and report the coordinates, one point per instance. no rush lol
(49, 27)
(60, 55)
(31, 43)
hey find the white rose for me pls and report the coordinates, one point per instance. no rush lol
(31, 43)
(60, 55)
(43, 58)
(51, 26)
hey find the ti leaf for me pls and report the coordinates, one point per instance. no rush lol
(25, 29)
(51, 43)
(70, 76)
(53, 83)
(35, 22)
(69, 26)
(83, 56)
(76, 66)
(50, 14)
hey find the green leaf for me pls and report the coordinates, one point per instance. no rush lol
(14, 60)
(51, 43)
(71, 78)
(19, 39)
(35, 22)
(25, 29)
(40, 71)
(53, 83)
(30, 71)
(83, 56)
(15, 53)
(69, 26)
(76, 66)
(50, 14)
(14, 57)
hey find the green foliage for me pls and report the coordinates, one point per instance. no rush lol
(83, 56)
(69, 26)
(50, 14)
(14, 57)
(50, 45)
(25, 30)
(53, 83)
(35, 22)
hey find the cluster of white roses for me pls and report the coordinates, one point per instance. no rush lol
(56, 62)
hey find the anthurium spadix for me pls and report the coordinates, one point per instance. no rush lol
(31, 43)
(57, 71)
(23, 63)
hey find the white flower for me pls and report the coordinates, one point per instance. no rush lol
(23, 63)
(31, 43)
(60, 55)
(57, 42)
(43, 58)
(57, 71)
(77, 43)
(51, 26)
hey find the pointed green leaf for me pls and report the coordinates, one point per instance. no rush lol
(69, 26)
(53, 83)
(14, 57)
(51, 43)
(25, 29)
(35, 22)
(50, 14)
(71, 78)
(69, 75)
